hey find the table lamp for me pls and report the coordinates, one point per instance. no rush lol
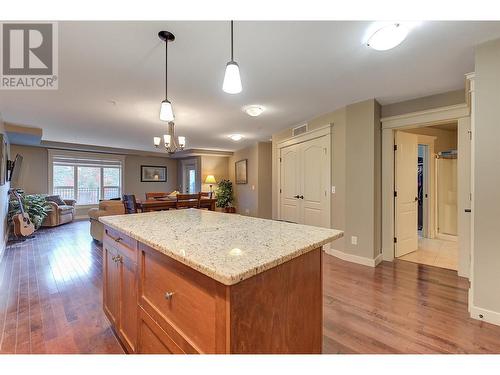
(210, 180)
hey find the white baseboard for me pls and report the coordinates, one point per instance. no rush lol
(355, 258)
(485, 315)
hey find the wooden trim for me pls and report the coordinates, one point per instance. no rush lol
(433, 116)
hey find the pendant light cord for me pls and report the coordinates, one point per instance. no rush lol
(232, 41)
(166, 69)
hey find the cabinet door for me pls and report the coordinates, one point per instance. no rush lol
(127, 326)
(111, 285)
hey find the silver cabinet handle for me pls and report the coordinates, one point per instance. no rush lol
(118, 239)
(169, 295)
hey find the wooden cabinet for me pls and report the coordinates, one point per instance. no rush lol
(158, 305)
(120, 287)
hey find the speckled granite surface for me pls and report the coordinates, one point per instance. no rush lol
(226, 247)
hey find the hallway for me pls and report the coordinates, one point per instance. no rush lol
(435, 252)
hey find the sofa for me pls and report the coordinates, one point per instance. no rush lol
(106, 208)
(61, 211)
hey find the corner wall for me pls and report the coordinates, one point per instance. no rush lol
(356, 175)
(485, 299)
(253, 198)
(4, 202)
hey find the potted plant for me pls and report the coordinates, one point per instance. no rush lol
(224, 196)
(34, 205)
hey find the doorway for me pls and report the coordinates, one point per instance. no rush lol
(426, 213)
(189, 175)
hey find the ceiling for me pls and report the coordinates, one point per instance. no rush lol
(111, 77)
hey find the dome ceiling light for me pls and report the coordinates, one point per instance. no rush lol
(388, 37)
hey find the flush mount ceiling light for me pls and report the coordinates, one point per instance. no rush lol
(388, 37)
(236, 137)
(166, 111)
(232, 79)
(254, 110)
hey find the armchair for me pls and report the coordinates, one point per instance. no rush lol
(61, 211)
(106, 208)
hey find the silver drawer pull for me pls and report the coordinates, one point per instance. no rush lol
(169, 295)
(118, 239)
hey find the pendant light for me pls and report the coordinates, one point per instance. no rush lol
(166, 111)
(232, 79)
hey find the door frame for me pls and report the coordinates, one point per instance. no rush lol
(408, 121)
(319, 132)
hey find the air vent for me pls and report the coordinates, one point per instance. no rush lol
(299, 130)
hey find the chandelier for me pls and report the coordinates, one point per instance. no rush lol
(170, 141)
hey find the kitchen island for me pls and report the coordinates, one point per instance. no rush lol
(196, 281)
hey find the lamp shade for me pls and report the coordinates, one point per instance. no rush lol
(210, 179)
(232, 80)
(166, 111)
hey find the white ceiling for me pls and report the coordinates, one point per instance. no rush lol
(297, 70)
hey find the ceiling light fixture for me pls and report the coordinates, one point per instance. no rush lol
(170, 141)
(232, 79)
(236, 137)
(388, 37)
(166, 111)
(254, 110)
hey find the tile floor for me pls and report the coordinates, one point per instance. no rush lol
(435, 252)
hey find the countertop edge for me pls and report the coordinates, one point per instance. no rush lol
(232, 279)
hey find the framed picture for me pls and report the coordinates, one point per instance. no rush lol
(152, 173)
(241, 171)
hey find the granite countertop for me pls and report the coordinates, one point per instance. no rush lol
(226, 247)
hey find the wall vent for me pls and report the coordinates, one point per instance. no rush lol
(299, 130)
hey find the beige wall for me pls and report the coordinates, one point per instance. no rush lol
(4, 202)
(218, 166)
(445, 139)
(424, 103)
(356, 175)
(486, 210)
(132, 175)
(253, 198)
(34, 172)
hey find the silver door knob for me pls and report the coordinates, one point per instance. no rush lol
(169, 295)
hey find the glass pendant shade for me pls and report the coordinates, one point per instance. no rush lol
(157, 141)
(232, 80)
(182, 142)
(166, 139)
(166, 111)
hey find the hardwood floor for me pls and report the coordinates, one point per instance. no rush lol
(51, 295)
(51, 302)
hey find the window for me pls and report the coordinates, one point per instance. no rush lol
(85, 177)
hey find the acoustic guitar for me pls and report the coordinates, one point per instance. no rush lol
(22, 222)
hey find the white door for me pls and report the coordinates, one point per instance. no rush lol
(305, 182)
(315, 178)
(406, 200)
(290, 187)
(189, 179)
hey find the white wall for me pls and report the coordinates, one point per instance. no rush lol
(4, 203)
(485, 297)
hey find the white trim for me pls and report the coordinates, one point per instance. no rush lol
(310, 134)
(489, 316)
(355, 258)
(402, 122)
(427, 117)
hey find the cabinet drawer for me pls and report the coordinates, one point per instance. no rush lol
(188, 315)
(121, 241)
(152, 339)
